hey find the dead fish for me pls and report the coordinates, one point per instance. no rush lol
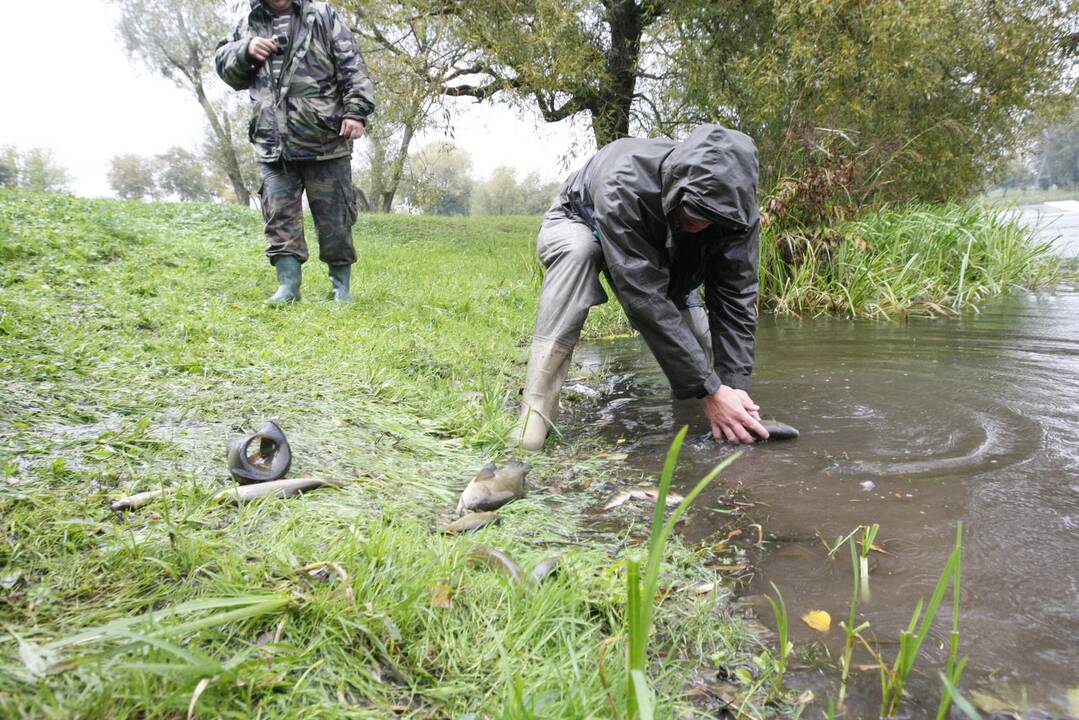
(137, 500)
(470, 522)
(494, 486)
(641, 492)
(545, 568)
(277, 488)
(496, 560)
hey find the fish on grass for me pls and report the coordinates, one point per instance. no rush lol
(641, 492)
(503, 563)
(276, 488)
(494, 486)
(470, 523)
(131, 502)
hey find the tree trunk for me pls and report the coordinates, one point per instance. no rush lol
(611, 111)
(224, 137)
(398, 166)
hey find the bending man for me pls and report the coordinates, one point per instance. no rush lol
(660, 218)
(310, 98)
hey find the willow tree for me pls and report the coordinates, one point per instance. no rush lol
(853, 102)
(567, 56)
(176, 39)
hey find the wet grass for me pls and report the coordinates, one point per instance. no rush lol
(931, 260)
(134, 344)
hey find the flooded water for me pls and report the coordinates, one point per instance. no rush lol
(915, 426)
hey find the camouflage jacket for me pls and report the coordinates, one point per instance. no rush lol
(323, 81)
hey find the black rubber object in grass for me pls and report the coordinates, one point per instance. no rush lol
(271, 462)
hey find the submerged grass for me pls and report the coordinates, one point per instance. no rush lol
(134, 344)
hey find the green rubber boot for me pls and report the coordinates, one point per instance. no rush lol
(339, 278)
(289, 274)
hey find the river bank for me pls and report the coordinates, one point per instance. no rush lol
(134, 343)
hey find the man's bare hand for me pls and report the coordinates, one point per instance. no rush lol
(734, 416)
(351, 129)
(261, 48)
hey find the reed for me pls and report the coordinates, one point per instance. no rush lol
(641, 587)
(910, 260)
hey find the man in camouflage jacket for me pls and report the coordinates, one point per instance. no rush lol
(310, 98)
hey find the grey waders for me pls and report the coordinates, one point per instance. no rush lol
(289, 275)
(547, 368)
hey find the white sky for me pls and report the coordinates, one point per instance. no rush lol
(73, 89)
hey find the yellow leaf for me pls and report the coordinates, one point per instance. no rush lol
(819, 620)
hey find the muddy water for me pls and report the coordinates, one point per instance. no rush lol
(917, 427)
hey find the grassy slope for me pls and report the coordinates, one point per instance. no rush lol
(134, 343)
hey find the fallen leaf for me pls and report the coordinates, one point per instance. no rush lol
(819, 620)
(704, 588)
(805, 698)
(441, 596)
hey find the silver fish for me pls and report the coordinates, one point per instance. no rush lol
(496, 560)
(494, 486)
(277, 488)
(137, 500)
(470, 522)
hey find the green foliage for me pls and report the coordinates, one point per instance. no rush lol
(502, 194)
(438, 181)
(34, 170)
(854, 102)
(182, 173)
(933, 260)
(131, 177)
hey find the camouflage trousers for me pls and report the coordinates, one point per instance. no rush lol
(333, 205)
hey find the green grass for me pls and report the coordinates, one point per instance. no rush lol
(932, 260)
(134, 344)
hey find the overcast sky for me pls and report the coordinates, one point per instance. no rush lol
(71, 87)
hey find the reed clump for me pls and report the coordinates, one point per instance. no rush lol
(933, 260)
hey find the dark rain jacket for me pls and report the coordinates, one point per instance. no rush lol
(323, 80)
(628, 194)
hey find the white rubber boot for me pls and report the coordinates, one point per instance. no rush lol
(547, 368)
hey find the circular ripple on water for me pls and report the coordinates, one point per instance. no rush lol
(888, 423)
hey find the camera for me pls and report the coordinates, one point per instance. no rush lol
(281, 41)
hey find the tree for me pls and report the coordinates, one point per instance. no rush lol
(183, 173)
(854, 102)
(567, 56)
(411, 56)
(438, 182)
(234, 115)
(9, 167)
(1059, 151)
(131, 177)
(39, 172)
(500, 195)
(503, 195)
(176, 39)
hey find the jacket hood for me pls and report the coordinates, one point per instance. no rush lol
(260, 5)
(714, 170)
